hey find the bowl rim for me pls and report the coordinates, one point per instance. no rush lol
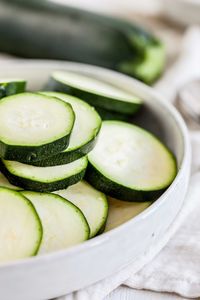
(100, 239)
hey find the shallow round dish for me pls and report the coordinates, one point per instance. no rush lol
(62, 272)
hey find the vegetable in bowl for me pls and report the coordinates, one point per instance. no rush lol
(125, 162)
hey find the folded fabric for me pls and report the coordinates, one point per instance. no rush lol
(177, 267)
(185, 69)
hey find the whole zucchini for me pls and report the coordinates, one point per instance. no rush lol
(43, 29)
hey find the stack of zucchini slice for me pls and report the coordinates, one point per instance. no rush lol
(44, 140)
(51, 142)
(110, 101)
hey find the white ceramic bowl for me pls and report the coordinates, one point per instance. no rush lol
(55, 274)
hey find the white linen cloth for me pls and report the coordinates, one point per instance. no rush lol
(177, 266)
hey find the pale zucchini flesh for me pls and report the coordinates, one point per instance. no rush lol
(84, 134)
(44, 140)
(42, 179)
(94, 91)
(91, 202)
(123, 211)
(20, 226)
(63, 223)
(34, 126)
(130, 163)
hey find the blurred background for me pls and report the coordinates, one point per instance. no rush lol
(152, 14)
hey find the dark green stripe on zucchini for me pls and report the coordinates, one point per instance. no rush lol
(21, 229)
(129, 163)
(32, 154)
(5, 183)
(113, 189)
(112, 115)
(64, 225)
(81, 36)
(84, 133)
(34, 126)
(28, 177)
(63, 157)
(94, 91)
(11, 87)
(92, 203)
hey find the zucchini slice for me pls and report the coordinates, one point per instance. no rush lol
(83, 137)
(95, 92)
(5, 183)
(122, 211)
(21, 229)
(34, 126)
(10, 87)
(63, 223)
(41, 179)
(130, 163)
(91, 202)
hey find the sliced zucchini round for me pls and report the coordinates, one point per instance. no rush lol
(20, 226)
(130, 163)
(10, 87)
(83, 137)
(5, 183)
(34, 126)
(44, 179)
(63, 223)
(122, 211)
(94, 91)
(91, 202)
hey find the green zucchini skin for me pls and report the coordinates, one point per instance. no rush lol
(152, 66)
(28, 153)
(112, 115)
(96, 100)
(111, 172)
(32, 154)
(33, 212)
(63, 158)
(73, 153)
(92, 203)
(9, 88)
(115, 190)
(102, 229)
(58, 229)
(5, 183)
(103, 40)
(83, 148)
(38, 186)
